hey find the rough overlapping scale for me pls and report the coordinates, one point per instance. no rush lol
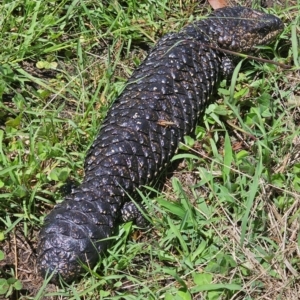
(159, 105)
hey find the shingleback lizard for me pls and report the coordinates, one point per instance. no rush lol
(174, 83)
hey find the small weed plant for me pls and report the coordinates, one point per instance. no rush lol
(7, 286)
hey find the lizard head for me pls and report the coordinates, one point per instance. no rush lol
(242, 29)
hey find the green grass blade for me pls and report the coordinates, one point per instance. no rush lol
(254, 188)
(295, 45)
(228, 158)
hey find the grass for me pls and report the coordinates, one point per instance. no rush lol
(226, 223)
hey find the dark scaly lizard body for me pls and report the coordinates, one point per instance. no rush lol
(173, 86)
